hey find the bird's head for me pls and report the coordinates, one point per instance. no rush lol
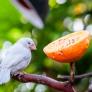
(28, 43)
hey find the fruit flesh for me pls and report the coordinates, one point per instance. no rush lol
(68, 48)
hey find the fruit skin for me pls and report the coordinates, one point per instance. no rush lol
(72, 52)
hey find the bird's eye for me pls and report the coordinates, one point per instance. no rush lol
(29, 43)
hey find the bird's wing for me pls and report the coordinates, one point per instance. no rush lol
(13, 60)
(14, 55)
(21, 65)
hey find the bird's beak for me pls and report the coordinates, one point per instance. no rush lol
(33, 47)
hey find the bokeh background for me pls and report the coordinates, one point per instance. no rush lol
(64, 17)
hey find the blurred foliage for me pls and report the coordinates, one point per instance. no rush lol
(60, 21)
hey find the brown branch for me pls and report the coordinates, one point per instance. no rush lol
(62, 86)
(65, 77)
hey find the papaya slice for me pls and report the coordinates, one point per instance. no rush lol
(69, 48)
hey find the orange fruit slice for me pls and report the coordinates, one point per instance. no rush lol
(68, 48)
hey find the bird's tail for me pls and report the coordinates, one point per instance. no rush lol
(4, 75)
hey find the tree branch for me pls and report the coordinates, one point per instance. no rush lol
(62, 86)
(65, 77)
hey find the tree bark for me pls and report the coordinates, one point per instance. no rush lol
(62, 86)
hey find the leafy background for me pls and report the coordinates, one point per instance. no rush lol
(63, 18)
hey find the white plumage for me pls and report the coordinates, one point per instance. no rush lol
(17, 57)
(6, 46)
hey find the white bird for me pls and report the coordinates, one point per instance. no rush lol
(17, 57)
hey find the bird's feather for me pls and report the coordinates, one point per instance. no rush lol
(4, 75)
(13, 56)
